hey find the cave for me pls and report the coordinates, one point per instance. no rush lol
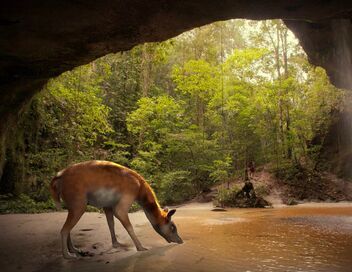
(40, 40)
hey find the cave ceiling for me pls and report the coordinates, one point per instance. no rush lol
(41, 39)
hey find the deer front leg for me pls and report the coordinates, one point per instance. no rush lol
(109, 213)
(121, 212)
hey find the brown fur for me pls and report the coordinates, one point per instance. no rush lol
(75, 183)
(79, 179)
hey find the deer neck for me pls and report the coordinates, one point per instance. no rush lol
(150, 205)
(153, 213)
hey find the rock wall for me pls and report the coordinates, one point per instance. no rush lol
(336, 152)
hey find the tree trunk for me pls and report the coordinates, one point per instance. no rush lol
(145, 73)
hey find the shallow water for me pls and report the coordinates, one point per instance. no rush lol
(300, 238)
(285, 239)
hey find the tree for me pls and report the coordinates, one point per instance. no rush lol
(185, 113)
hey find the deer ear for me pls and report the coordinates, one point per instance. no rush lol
(171, 213)
(166, 209)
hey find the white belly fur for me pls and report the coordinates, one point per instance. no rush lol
(103, 197)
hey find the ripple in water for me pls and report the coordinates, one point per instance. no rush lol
(290, 239)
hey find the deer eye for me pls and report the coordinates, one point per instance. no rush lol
(173, 228)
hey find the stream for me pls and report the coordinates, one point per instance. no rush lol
(298, 238)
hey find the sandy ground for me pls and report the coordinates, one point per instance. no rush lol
(30, 242)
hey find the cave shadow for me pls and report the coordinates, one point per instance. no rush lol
(133, 262)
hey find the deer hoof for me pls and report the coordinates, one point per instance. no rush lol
(141, 249)
(71, 256)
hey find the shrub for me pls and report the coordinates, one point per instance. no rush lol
(176, 187)
(262, 190)
(24, 204)
(291, 201)
(289, 172)
(134, 208)
(226, 197)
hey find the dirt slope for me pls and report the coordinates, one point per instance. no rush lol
(305, 187)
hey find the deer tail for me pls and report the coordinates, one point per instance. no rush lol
(55, 190)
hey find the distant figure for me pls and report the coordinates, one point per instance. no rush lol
(247, 190)
(251, 169)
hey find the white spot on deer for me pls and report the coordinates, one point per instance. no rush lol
(104, 197)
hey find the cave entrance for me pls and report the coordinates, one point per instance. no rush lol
(185, 113)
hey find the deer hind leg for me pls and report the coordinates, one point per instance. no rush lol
(72, 218)
(71, 247)
(109, 213)
(121, 212)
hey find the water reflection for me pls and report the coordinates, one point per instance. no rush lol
(287, 239)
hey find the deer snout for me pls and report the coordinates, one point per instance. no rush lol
(179, 241)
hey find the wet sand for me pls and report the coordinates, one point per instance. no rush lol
(310, 237)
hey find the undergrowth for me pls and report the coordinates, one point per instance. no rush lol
(226, 197)
(25, 204)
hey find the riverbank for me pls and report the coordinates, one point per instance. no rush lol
(311, 236)
(289, 186)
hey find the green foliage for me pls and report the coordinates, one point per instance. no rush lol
(165, 137)
(24, 204)
(289, 172)
(261, 190)
(291, 202)
(186, 113)
(176, 187)
(226, 197)
(231, 198)
(155, 118)
(73, 107)
(135, 207)
(222, 169)
(197, 78)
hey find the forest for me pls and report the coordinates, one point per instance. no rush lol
(186, 113)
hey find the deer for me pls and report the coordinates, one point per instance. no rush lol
(114, 188)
